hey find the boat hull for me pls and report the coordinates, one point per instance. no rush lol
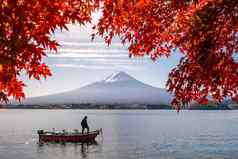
(83, 138)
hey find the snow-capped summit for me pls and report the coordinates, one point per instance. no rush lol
(118, 88)
(118, 77)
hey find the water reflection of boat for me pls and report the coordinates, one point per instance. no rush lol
(75, 149)
(75, 136)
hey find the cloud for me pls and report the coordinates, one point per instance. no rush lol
(95, 55)
(90, 44)
(77, 51)
(98, 50)
(110, 61)
(97, 67)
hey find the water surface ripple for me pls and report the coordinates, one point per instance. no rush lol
(127, 134)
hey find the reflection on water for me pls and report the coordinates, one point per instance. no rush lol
(134, 134)
(77, 149)
(84, 150)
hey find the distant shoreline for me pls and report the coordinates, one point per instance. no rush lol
(31, 108)
(115, 106)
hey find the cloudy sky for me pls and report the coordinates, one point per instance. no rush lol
(80, 62)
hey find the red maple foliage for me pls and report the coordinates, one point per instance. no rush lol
(25, 30)
(204, 31)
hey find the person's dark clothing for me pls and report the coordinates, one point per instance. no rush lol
(84, 124)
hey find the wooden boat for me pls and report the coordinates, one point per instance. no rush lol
(75, 136)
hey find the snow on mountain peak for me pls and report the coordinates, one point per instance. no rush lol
(118, 88)
(119, 76)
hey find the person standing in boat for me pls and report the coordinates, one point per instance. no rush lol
(84, 124)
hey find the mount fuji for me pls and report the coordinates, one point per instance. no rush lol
(118, 88)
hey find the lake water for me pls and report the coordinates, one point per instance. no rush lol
(127, 134)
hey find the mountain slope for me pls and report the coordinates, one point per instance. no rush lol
(118, 88)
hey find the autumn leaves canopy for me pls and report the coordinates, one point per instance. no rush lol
(204, 31)
(25, 30)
